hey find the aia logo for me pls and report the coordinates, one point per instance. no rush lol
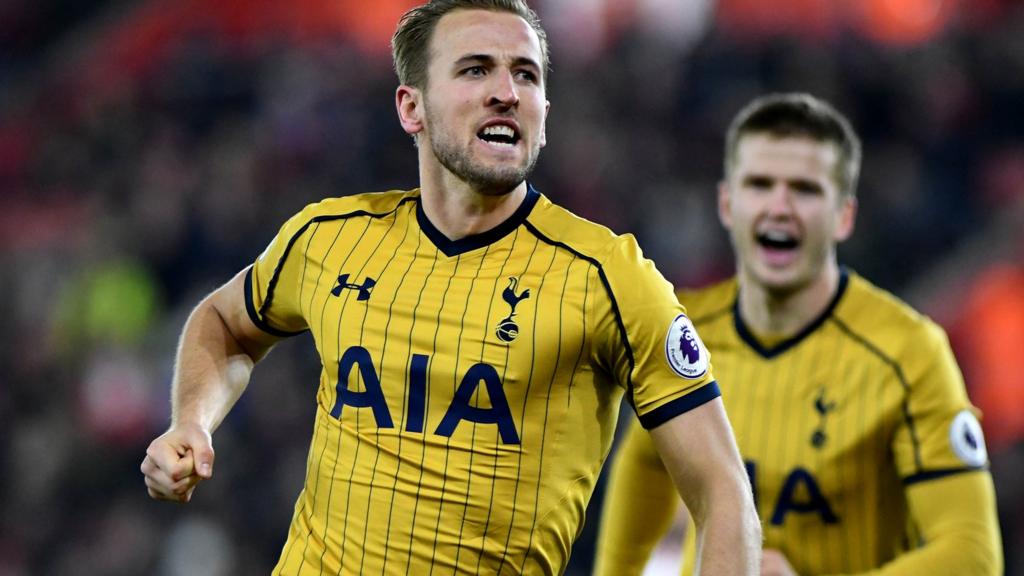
(364, 288)
(508, 330)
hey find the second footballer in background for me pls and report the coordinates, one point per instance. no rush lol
(863, 451)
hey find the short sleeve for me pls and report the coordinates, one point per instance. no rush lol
(273, 282)
(653, 348)
(940, 433)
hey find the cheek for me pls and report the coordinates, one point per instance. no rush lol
(740, 217)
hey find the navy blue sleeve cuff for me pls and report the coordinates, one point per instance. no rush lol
(250, 307)
(662, 414)
(936, 474)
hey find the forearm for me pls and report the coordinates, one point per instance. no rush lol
(728, 530)
(700, 454)
(211, 370)
(959, 554)
(957, 516)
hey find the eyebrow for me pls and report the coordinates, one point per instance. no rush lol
(801, 183)
(490, 61)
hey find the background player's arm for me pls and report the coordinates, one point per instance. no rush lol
(957, 519)
(955, 514)
(700, 454)
(218, 348)
(639, 507)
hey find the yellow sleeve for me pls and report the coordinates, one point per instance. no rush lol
(639, 506)
(941, 434)
(653, 348)
(956, 516)
(273, 282)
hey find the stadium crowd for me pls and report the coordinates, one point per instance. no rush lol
(143, 161)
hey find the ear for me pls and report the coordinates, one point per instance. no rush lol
(408, 102)
(724, 205)
(847, 218)
(544, 124)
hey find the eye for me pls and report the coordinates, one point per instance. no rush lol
(758, 182)
(526, 76)
(806, 187)
(474, 71)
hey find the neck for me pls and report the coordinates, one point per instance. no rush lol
(459, 210)
(783, 314)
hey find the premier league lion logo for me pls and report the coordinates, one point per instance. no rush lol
(688, 345)
(685, 352)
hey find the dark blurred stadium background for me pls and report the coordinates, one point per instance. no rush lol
(150, 149)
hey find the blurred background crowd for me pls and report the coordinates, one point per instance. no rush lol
(150, 149)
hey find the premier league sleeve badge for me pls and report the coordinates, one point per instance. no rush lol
(685, 352)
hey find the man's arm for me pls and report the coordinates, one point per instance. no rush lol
(639, 507)
(957, 519)
(699, 452)
(219, 347)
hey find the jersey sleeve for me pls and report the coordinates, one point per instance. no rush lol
(273, 283)
(940, 433)
(957, 519)
(651, 346)
(639, 506)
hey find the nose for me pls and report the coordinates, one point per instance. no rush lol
(504, 93)
(780, 200)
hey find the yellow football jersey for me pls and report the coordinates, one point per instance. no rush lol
(470, 388)
(833, 424)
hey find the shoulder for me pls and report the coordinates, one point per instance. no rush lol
(558, 226)
(370, 204)
(365, 204)
(887, 323)
(709, 301)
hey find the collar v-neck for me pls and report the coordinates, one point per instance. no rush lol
(771, 351)
(474, 241)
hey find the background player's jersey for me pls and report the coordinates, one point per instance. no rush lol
(469, 389)
(835, 422)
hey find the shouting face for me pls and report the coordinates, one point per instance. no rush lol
(483, 109)
(784, 210)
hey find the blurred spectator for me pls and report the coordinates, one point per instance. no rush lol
(990, 338)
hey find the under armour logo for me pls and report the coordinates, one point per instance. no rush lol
(508, 330)
(364, 288)
(823, 407)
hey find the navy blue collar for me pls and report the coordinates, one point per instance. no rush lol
(770, 352)
(463, 245)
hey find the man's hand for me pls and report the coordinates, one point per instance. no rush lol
(774, 563)
(176, 461)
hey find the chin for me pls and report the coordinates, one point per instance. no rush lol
(496, 183)
(780, 282)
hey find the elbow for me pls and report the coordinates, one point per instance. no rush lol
(743, 513)
(973, 553)
(983, 559)
(753, 522)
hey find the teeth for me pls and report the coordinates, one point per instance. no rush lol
(499, 130)
(777, 236)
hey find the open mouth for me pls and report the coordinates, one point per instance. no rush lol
(499, 135)
(775, 240)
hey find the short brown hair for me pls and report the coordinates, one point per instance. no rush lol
(799, 114)
(411, 41)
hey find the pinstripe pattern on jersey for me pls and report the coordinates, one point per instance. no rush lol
(860, 359)
(405, 321)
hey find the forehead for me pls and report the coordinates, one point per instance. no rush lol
(787, 156)
(502, 35)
